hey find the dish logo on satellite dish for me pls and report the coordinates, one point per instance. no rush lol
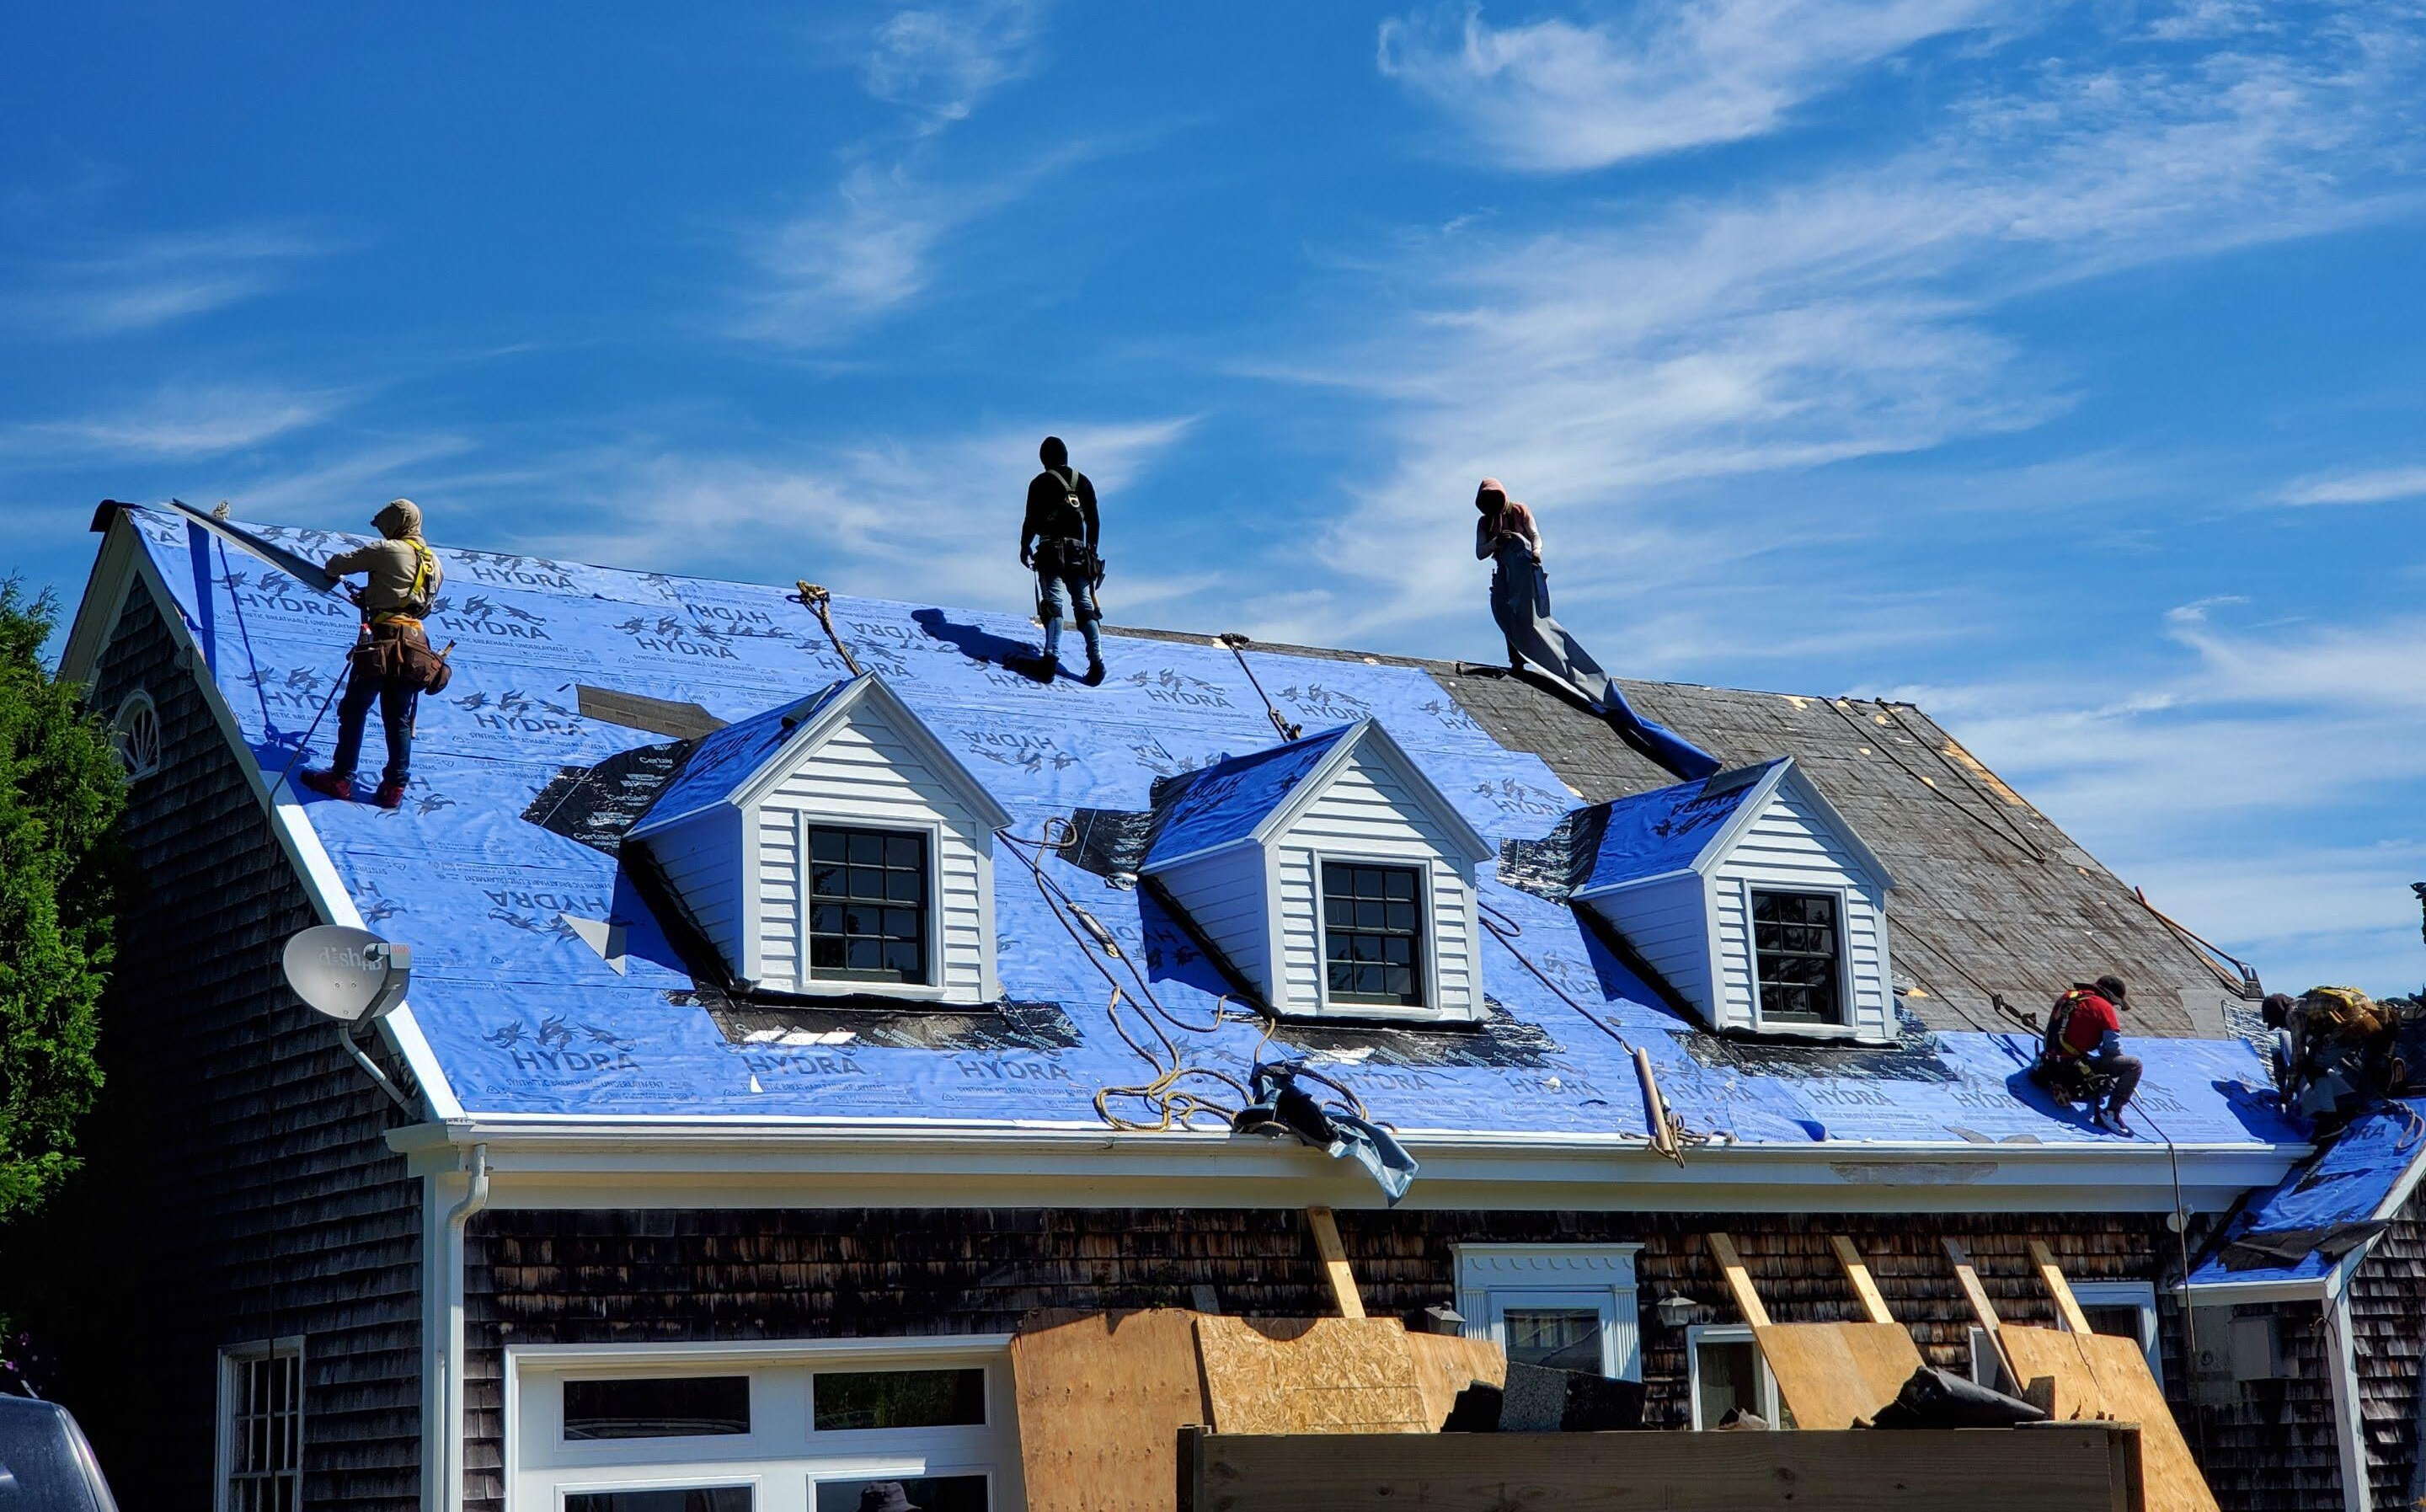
(352, 975)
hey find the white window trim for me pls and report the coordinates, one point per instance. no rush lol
(1492, 1278)
(934, 989)
(1726, 1333)
(138, 764)
(223, 1434)
(1425, 869)
(631, 1464)
(1849, 1026)
(2141, 1294)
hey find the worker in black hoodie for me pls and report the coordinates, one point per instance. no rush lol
(1057, 539)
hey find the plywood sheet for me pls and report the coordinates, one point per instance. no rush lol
(1447, 1364)
(1310, 1375)
(2100, 1375)
(1102, 1398)
(1830, 1374)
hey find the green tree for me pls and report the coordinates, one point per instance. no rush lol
(61, 791)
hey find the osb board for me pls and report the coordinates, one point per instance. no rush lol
(2101, 1376)
(1102, 1398)
(1310, 1375)
(1447, 1364)
(1829, 1373)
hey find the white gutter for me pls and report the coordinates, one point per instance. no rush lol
(446, 1361)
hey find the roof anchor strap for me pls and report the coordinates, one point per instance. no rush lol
(1289, 730)
(821, 603)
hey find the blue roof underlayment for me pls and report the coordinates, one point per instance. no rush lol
(524, 1017)
(724, 761)
(1667, 830)
(1225, 802)
(2347, 1182)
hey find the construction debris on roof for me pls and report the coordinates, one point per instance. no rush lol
(526, 1016)
(2337, 1201)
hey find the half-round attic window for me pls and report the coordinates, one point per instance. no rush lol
(134, 734)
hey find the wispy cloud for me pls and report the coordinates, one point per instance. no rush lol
(867, 247)
(142, 284)
(2378, 487)
(1557, 95)
(185, 421)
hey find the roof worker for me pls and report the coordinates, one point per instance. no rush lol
(1510, 539)
(1057, 539)
(2083, 1050)
(391, 662)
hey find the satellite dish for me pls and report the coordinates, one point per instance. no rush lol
(352, 975)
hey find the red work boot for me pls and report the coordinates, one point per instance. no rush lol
(330, 785)
(389, 795)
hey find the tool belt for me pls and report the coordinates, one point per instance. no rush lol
(395, 649)
(1068, 556)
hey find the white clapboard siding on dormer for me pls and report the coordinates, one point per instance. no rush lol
(1223, 895)
(866, 773)
(1366, 813)
(1668, 924)
(1790, 846)
(697, 861)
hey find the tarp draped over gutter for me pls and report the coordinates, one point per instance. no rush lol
(526, 1018)
(2329, 1205)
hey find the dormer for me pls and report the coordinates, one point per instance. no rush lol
(833, 847)
(1751, 896)
(1332, 874)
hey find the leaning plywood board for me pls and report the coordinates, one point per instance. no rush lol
(1102, 1398)
(1310, 1375)
(2097, 1376)
(1447, 1364)
(1830, 1374)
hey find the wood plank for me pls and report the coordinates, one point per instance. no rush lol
(2069, 1469)
(1309, 1375)
(2097, 1376)
(1738, 1280)
(1831, 1373)
(1447, 1363)
(1335, 1261)
(2066, 1306)
(1874, 1306)
(1100, 1398)
(1981, 1309)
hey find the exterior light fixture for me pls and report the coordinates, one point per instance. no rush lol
(1677, 1310)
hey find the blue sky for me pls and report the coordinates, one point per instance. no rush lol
(2056, 366)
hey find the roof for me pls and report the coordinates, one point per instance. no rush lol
(2335, 1202)
(1672, 829)
(1225, 802)
(482, 868)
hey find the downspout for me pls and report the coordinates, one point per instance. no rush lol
(448, 1444)
(2341, 1369)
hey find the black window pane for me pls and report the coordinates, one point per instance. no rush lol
(829, 845)
(1400, 884)
(903, 887)
(1799, 957)
(866, 848)
(1371, 926)
(898, 1399)
(902, 850)
(663, 1408)
(884, 890)
(660, 1499)
(928, 1493)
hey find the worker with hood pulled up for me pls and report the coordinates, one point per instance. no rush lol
(391, 662)
(1057, 539)
(1510, 539)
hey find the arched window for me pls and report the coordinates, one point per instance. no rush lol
(134, 734)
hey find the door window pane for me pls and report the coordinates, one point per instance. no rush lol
(2122, 1321)
(1729, 1378)
(898, 1399)
(663, 1499)
(927, 1493)
(1560, 1338)
(669, 1407)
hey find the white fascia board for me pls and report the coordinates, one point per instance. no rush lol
(1611, 890)
(1310, 787)
(803, 743)
(2223, 1293)
(314, 871)
(104, 602)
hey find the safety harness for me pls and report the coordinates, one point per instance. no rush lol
(417, 598)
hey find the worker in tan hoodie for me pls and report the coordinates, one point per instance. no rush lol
(392, 663)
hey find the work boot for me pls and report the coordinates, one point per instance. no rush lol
(390, 794)
(2111, 1121)
(336, 785)
(1094, 671)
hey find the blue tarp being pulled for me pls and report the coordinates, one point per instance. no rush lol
(525, 1018)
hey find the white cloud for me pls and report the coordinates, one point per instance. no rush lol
(146, 283)
(1556, 95)
(185, 420)
(941, 61)
(2377, 486)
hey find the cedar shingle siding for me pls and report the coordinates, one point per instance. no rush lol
(591, 1277)
(240, 1188)
(2388, 1324)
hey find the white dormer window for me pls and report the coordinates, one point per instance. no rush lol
(833, 847)
(1751, 897)
(1333, 877)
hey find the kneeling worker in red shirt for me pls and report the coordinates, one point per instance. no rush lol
(2085, 1029)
